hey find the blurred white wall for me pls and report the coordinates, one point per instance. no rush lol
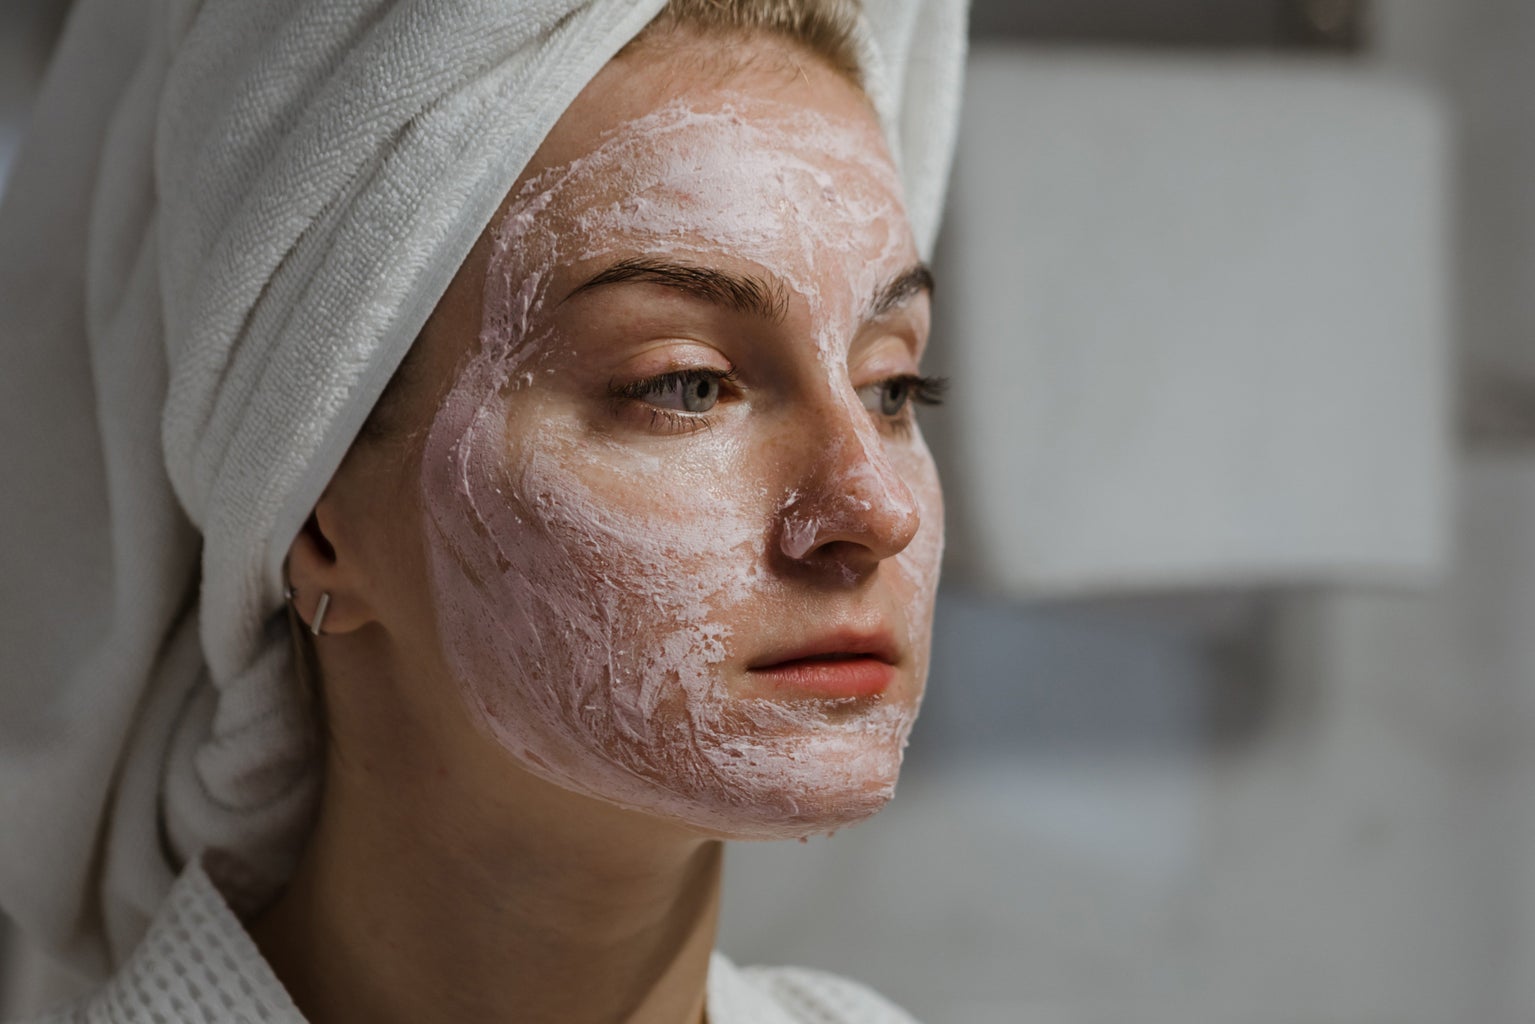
(1480, 54)
(27, 28)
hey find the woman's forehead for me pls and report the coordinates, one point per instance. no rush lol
(697, 154)
(687, 123)
(791, 189)
(704, 72)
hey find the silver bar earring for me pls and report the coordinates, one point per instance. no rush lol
(319, 613)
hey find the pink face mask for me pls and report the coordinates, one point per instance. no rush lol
(605, 574)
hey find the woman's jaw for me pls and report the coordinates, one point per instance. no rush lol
(682, 534)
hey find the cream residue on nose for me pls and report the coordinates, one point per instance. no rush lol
(593, 636)
(862, 497)
(799, 535)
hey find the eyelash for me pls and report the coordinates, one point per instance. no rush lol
(924, 390)
(927, 391)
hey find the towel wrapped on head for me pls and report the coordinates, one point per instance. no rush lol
(228, 225)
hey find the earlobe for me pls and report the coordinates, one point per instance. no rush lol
(316, 623)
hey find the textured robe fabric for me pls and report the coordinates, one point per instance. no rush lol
(229, 222)
(197, 964)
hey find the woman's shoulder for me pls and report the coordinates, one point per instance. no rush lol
(794, 995)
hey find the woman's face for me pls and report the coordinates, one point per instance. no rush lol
(682, 533)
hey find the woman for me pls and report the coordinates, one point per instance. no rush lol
(636, 553)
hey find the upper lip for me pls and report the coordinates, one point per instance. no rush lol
(845, 643)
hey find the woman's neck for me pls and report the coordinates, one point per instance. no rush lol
(410, 906)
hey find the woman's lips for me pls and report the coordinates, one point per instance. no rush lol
(829, 677)
(841, 665)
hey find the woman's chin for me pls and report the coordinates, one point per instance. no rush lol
(791, 813)
(823, 814)
(759, 770)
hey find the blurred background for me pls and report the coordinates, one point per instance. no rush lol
(1232, 701)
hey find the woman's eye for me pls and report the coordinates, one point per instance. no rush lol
(692, 391)
(699, 395)
(890, 397)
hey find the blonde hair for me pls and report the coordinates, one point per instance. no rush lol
(826, 28)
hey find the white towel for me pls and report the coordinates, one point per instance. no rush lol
(229, 223)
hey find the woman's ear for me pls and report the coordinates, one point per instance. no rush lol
(325, 585)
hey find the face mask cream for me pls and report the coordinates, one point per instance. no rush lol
(602, 594)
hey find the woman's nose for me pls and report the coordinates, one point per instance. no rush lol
(851, 509)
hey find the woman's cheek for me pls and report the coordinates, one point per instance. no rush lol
(655, 550)
(919, 563)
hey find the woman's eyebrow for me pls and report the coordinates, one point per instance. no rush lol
(741, 292)
(901, 289)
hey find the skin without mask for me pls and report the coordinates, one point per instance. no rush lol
(603, 572)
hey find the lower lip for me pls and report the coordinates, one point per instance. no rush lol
(841, 677)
